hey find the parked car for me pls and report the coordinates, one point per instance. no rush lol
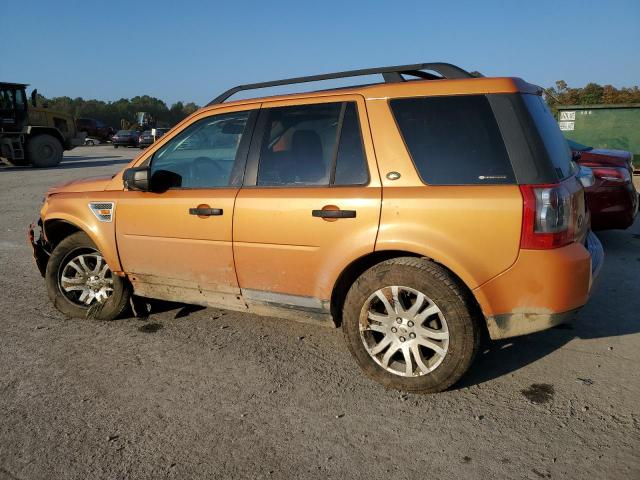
(91, 141)
(94, 128)
(455, 223)
(146, 138)
(125, 138)
(613, 199)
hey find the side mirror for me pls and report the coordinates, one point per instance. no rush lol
(575, 155)
(34, 97)
(136, 179)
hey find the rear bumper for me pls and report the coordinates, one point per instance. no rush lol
(542, 289)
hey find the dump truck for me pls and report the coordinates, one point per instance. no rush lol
(31, 134)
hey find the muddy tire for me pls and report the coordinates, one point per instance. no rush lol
(80, 284)
(44, 151)
(411, 326)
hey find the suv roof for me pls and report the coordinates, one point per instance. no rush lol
(451, 80)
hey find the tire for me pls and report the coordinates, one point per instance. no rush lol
(449, 314)
(115, 146)
(67, 251)
(44, 151)
(91, 143)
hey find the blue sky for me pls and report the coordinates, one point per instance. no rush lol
(193, 50)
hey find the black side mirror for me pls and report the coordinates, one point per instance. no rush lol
(34, 97)
(136, 179)
(575, 155)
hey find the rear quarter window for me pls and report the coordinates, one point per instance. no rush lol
(453, 140)
(551, 135)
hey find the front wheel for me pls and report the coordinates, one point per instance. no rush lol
(410, 325)
(78, 279)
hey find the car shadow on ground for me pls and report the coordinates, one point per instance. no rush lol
(71, 162)
(605, 318)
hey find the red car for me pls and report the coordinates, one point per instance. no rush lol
(613, 199)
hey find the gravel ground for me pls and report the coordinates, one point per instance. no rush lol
(204, 393)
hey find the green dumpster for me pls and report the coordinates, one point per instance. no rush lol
(603, 126)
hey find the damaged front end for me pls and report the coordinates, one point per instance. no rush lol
(41, 250)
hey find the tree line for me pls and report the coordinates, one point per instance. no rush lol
(122, 113)
(590, 94)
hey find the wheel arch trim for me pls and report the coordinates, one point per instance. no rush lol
(361, 264)
(102, 234)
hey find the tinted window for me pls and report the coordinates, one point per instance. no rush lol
(351, 164)
(453, 140)
(552, 137)
(203, 155)
(299, 146)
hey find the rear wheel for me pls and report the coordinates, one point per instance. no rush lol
(78, 279)
(44, 151)
(115, 146)
(410, 325)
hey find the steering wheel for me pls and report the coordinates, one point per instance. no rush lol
(204, 171)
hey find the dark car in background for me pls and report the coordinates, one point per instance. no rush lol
(146, 138)
(125, 138)
(612, 199)
(94, 128)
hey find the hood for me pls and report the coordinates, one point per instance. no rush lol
(90, 184)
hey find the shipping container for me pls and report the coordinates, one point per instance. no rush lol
(603, 126)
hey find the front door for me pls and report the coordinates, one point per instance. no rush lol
(176, 244)
(310, 203)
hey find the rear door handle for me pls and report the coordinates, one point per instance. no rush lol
(205, 212)
(334, 213)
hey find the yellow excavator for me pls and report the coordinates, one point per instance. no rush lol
(30, 134)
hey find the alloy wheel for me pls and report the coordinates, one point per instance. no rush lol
(404, 331)
(85, 278)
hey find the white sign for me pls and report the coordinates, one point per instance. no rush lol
(564, 126)
(568, 116)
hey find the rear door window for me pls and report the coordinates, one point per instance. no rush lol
(312, 145)
(453, 140)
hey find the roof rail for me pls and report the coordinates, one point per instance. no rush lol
(390, 75)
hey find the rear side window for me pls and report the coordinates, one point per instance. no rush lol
(453, 140)
(554, 141)
(312, 145)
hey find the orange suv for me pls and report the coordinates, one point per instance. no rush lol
(415, 213)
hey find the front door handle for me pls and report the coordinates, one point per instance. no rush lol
(205, 212)
(334, 213)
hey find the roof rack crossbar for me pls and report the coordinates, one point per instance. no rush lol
(390, 75)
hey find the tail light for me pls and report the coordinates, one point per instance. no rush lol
(549, 216)
(612, 175)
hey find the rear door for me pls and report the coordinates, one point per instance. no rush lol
(310, 203)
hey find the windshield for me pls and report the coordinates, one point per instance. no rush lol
(578, 146)
(124, 132)
(549, 131)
